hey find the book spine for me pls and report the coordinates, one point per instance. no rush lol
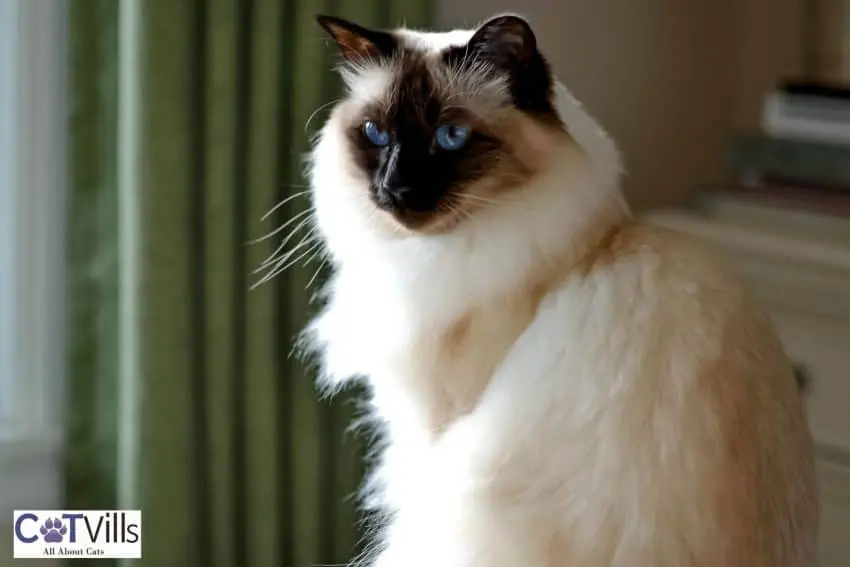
(806, 118)
(820, 164)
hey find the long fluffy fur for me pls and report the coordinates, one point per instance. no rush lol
(559, 385)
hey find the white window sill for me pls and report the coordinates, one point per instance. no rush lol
(31, 473)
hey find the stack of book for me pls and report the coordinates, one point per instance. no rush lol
(808, 111)
(799, 163)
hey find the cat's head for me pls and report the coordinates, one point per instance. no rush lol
(435, 131)
(437, 125)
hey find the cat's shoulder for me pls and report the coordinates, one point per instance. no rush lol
(645, 275)
(660, 257)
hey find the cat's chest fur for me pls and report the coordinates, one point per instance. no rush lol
(426, 379)
(443, 372)
(428, 375)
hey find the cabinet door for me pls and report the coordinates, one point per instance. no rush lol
(820, 347)
(834, 476)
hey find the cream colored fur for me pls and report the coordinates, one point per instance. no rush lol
(561, 387)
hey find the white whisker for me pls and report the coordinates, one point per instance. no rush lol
(285, 201)
(471, 197)
(308, 239)
(275, 258)
(280, 228)
(286, 240)
(318, 110)
(322, 264)
(279, 270)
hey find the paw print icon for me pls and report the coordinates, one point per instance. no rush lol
(53, 530)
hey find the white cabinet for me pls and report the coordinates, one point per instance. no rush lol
(803, 280)
(834, 476)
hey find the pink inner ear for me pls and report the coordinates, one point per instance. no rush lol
(355, 41)
(352, 44)
(357, 46)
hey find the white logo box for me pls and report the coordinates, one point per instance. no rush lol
(77, 534)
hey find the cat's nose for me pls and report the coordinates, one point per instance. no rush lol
(392, 197)
(390, 190)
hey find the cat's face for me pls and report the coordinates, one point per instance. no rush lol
(435, 127)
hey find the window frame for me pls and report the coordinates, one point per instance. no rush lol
(33, 186)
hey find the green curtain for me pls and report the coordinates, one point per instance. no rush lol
(239, 462)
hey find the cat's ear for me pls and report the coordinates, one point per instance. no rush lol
(507, 41)
(508, 44)
(356, 42)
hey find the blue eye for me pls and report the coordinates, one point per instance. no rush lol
(376, 135)
(451, 137)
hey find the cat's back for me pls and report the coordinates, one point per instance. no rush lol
(667, 405)
(664, 314)
(665, 284)
(641, 277)
(662, 260)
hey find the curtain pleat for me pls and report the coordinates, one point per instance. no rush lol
(241, 463)
(93, 258)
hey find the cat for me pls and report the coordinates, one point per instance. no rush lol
(557, 384)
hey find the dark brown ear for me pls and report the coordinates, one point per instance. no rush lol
(356, 42)
(507, 41)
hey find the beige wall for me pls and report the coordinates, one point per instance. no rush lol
(667, 78)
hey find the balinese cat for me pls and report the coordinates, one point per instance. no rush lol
(559, 386)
